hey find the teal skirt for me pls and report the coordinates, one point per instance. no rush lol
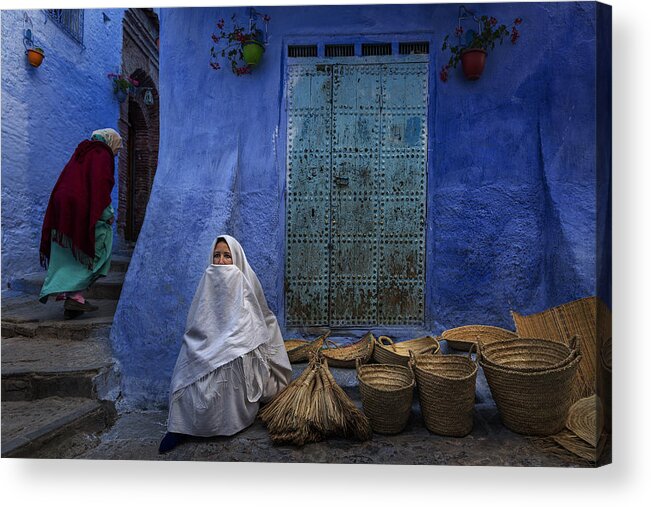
(67, 274)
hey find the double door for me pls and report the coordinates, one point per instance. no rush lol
(356, 194)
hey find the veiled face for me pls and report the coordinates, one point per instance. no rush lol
(222, 254)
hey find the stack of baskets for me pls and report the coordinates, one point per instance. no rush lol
(387, 392)
(446, 389)
(531, 382)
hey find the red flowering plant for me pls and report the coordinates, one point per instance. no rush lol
(229, 44)
(122, 82)
(489, 33)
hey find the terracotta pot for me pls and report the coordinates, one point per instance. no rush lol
(472, 62)
(35, 58)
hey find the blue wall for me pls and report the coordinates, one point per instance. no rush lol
(512, 162)
(46, 112)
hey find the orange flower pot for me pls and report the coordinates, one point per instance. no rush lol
(35, 58)
(472, 62)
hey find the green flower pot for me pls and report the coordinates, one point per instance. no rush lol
(252, 51)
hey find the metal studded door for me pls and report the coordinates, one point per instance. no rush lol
(356, 158)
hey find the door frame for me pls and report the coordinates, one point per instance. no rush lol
(408, 331)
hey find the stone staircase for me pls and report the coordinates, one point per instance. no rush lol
(59, 378)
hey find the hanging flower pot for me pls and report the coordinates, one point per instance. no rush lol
(252, 51)
(121, 95)
(472, 62)
(35, 56)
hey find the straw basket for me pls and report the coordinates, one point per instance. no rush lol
(345, 357)
(446, 389)
(387, 392)
(461, 338)
(299, 351)
(528, 354)
(532, 403)
(387, 352)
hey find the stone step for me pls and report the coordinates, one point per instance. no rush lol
(30, 427)
(120, 263)
(36, 367)
(26, 316)
(108, 287)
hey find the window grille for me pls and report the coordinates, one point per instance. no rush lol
(333, 50)
(301, 51)
(376, 49)
(414, 48)
(71, 21)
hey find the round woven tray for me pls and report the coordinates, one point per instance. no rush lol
(388, 352)
(446, 390)
(461, 338)
(532, 403)
(299, 351)
(345, 357)
(387, 391)
(528, 354)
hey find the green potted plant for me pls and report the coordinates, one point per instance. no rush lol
(122, 85)
(35, 56)
(473, 51)
(243, 48)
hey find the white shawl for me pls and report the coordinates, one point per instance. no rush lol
(228, 318)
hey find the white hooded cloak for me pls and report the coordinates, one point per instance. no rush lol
(232, 356)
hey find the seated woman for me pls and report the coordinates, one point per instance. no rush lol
(232, 357)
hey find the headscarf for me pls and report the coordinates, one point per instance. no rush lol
(228, 318)
(108, 136)
(79, 197)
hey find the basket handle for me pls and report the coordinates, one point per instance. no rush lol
(412, 360)
(327, 342)
(473, 345)
(382, 339)
(437, 348)
(573, 342)
(358, 363)
(478, 355)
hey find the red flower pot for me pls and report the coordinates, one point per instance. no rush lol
(472, 62)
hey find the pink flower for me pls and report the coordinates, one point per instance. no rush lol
(517, 21)
(215, 65)
(215, 39)
(444, 73)
(492, 21)
(458, 31)
(266, 18)
(220, 24)
(515, 35)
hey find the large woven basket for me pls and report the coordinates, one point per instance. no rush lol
(346, 356)
(532, 403)
(299, 351)
(387, 392)
(462, 338)
(388, 352)
(446, 389)
(528, 354)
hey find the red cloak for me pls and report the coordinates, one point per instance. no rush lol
(80, 196)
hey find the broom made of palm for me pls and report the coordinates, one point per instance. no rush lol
(286, 416)
(341, 416)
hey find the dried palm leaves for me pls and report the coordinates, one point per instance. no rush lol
(312, 408)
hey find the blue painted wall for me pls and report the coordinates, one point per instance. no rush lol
(46, 112)
(512, 180)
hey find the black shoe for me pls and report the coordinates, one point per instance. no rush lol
(71, 314)
(72, 304)
(170, 441)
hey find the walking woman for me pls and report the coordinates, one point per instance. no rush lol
(77, 234)
(233, 355)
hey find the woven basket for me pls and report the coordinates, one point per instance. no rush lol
(528, 354)
(446, 389)
(532, 403)
(461, 338)
(387, 352)
(345, 357)
(299, 351)
(387, 392)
